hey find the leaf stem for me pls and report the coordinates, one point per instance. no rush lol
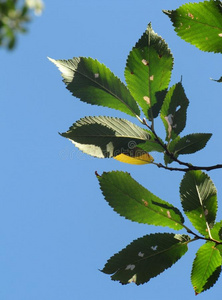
(198, 237)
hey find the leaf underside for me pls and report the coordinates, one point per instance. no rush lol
(131, 200)
(199, 24)
(199, 200)
(206, 267)
(148, 72)
(146, 257)
(105, 136)
(92, 82)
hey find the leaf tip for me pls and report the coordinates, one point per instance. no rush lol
(51, 59)
(166, 12)
(63, 134)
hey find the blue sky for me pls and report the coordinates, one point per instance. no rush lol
(56, 230)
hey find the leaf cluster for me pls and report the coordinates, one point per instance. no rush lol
(150, 255)
(147, 96)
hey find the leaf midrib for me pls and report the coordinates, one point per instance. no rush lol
(147, 207)
(191, 144)
(206, 268)
(104, 88)
(203, 212)
(156, 253)
(201, 23)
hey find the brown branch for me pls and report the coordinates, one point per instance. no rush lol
(188, 166)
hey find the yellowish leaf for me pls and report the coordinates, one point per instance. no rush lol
(135, 156)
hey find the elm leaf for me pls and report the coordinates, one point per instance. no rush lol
(174, 111)
(206, 267)
(94, 83)
(105, 136)
(148, 72)
(146, 257)
(199, 24)
(199, 200)
(134, 202)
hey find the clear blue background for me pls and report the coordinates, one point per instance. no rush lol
(56, 230)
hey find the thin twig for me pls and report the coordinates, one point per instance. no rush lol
(198, 237)
(188, 166)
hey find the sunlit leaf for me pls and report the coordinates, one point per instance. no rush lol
(94, 83)
(199, 200)
(199, 24)
(105, 136)
(131, 200)
(135, 156)
(216, 231)
(148, 72)
(206, 267)
(146, 257)
(174, 111)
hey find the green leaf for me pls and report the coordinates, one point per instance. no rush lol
(174, 111)
(94, 83)
(199, 24)
(152, 144)
(199, 200)
(105, 136)
(148, 72)
(206, 267)
(146, 257)
(191, 143)
(216, 231)
(131, 200)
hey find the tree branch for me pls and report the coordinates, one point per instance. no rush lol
(188, 166)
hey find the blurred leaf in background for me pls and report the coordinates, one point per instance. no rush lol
(14, 17)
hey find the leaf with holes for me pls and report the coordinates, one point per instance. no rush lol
(206, 267)
(199, 200)
(199, 24)
(174, 111)
(105, 136)
(148, 72)
(131, 200)
(135, 156)
(146, 257)
(94, 83)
